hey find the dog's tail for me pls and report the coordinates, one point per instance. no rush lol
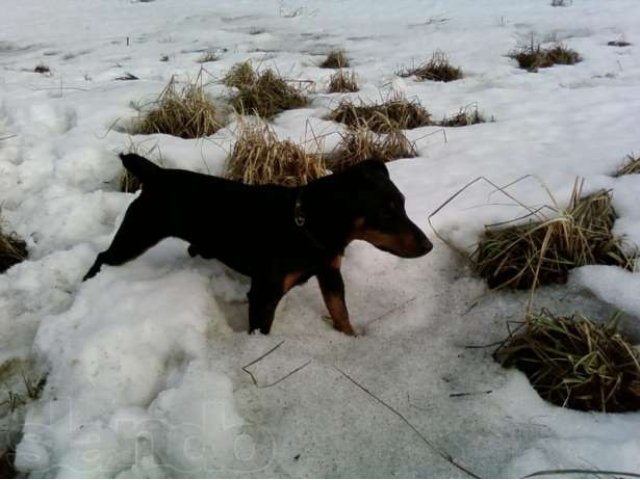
(142, 168)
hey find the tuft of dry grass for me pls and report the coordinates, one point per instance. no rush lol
(533, 56)
(573, 362)
(360, 144)
(629, 167)
(437, 69)
(259, 157)
(335, 59)
(343, 82)
(264, 94)
(465, 117)
(543, 251)
(207, 57)
(389, 116)
(12, 250)
(185, 112)
(240, 75)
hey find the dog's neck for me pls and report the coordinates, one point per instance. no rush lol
(321, 212)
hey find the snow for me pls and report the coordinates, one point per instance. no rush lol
(145, 361)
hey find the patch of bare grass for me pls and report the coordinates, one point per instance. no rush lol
(437, 69)
(264, 94)
(342, 81)
(207, 57)
(259, 157)
(543, 250)
(183, 111)
(389, 116)
(12, 250)
(360, 144)
(534, 57)
(335, 59)
(629, 167)
(465, 117)
(573, 362)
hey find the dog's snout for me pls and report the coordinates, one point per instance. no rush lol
(426, 245)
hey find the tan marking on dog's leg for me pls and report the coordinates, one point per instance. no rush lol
(338, 311)
(336, 262)
(290, 281)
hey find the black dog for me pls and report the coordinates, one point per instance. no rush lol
(278, 236)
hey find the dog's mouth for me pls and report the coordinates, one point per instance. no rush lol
(410, 244)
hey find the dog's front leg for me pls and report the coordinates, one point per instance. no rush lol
(332, 287)
(264, 297)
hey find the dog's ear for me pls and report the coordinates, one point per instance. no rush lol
(374, 166)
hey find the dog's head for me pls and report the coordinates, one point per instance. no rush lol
(380, 216)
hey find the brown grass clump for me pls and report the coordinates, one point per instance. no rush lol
(263, 94)
(258, 157)
(533, 57)
(437, 69)
(241, 75)
(343, 82)
(362, 144)
(335, 59)
(12, 250)
(543, 251)
(629, 167)
(463, 118)
(573, 362)
(389, 116)
(185, 112)
(207, 57)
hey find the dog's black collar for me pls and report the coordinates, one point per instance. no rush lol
(300, 219)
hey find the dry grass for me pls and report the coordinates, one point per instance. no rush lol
(185, 112)
(533, 56)
(343, 82)
(207, 57)
(335, 59)
(258, 157)
(391, 115)
(629, 167)
(264, 94)
(437, 69)
(240, 75)
(12, 250)
(465, 117)
(575, 363)
(543, 251)
(361, 144)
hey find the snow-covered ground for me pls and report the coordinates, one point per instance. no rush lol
(145, 361)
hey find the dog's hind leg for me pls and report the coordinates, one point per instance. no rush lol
(332, 287)
(264, 297)
(138, 233)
